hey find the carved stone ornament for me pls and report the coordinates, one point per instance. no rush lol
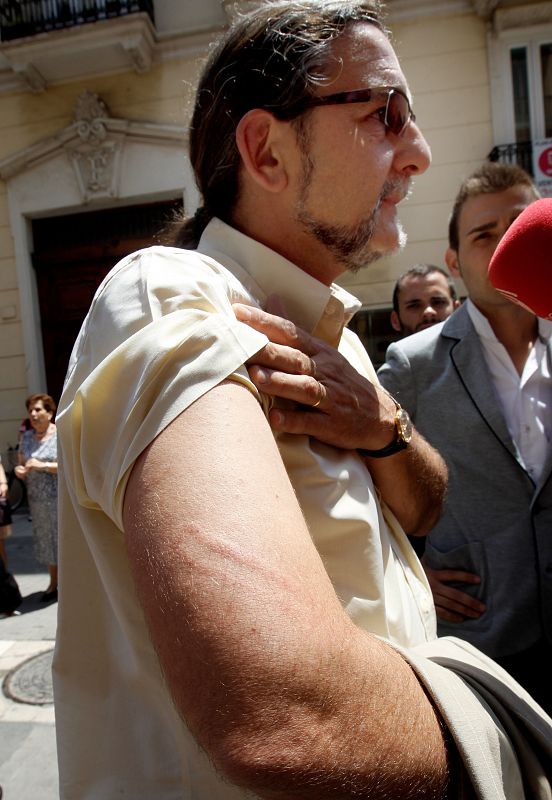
(522, 16)
(90, 106)
(95, 152)
(485, 8)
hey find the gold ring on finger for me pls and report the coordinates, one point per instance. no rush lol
(320, 396)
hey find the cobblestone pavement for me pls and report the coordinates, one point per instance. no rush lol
(28, 761)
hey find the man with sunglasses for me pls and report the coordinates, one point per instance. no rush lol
(232, 577)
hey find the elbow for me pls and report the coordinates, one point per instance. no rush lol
(287, 763)
(271, 749)
(262, 762)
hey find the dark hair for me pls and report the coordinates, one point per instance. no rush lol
(272, 58)
(422, 271)
(490, 178)
(47, 401)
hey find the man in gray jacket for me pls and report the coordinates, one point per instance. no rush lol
(479, 388)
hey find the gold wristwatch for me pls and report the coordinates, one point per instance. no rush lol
(403, 434)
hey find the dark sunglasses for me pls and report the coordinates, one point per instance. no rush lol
(396, 114)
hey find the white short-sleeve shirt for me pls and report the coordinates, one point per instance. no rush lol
(161, 333)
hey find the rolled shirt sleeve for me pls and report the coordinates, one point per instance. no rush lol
(164, 335)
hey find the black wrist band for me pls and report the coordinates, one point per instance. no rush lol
(389, 450)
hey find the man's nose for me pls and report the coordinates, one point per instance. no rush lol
(414, 154)
(429, 312)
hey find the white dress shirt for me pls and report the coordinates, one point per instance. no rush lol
(526, 399)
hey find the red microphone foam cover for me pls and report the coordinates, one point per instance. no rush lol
(521, 267)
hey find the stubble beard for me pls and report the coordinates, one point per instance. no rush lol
(349, 244)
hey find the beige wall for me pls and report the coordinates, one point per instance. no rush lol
(12, 362)
(161, 96)
(445, 62)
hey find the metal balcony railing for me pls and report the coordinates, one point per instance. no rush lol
(520, 153)
(19, 18)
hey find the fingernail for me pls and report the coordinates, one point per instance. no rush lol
(276, 418)
(242, 312)
(260, 375)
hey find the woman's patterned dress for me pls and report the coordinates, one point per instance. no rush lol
(42, 497)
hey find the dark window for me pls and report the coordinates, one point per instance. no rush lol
(373, 327)
(546, 65)
(520, 84)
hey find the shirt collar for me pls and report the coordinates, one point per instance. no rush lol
(480, 322)
(485, 331)
(264, 272)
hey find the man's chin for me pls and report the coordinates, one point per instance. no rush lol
(378, 248)
(391, 239)
(425, 325)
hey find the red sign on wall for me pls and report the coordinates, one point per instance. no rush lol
(542, 166)
(545, 162)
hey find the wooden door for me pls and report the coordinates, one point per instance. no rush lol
(72, 255)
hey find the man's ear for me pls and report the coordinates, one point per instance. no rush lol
(258, 142)
(395, 322)
(451, 260)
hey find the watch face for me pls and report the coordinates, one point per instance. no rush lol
(405, 425)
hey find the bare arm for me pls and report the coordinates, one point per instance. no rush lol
(41, 466)
(21, 470)
(352, 413)
(286, 695)
(413, 483)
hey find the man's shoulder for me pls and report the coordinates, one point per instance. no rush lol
(438, 339)
(156, 280)
(416, 362)
(161, 262)
(418, 349)
(152, 299)
(421, 342)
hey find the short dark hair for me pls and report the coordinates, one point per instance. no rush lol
(421, 271)
(273, 58)
(490, 178)
(47, 401)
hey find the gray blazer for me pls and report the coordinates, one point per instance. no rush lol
(496, 522)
